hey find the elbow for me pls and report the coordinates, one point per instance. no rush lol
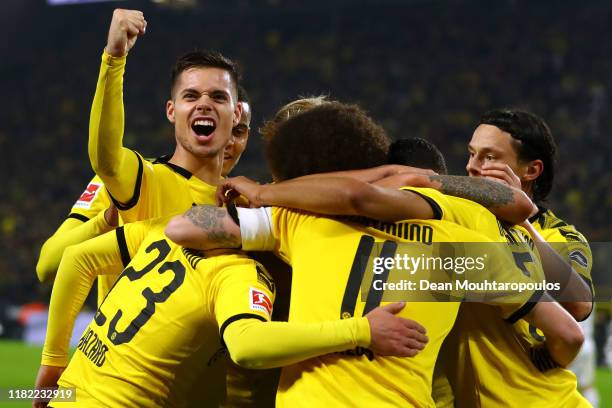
(175, 230)
(45, 269)
(103, 170)
(245, 358)
(572, 340)
(580, 310)
(358, 198)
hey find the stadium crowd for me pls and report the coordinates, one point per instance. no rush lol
(426, 69)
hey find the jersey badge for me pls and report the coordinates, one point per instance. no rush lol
(88, 196)
(260, 301)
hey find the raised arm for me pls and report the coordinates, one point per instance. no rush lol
(564, 337)
(115, 164)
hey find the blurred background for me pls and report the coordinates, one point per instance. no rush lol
(420, 68)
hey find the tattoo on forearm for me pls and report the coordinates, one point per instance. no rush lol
(210, 219)
(490, 194)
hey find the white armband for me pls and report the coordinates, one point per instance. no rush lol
(256, 229)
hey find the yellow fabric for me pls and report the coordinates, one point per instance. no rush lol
(554, 230)
(94, 199)
(92, 204)
(464, 212)
(322, 252)
(72, 231)
(115, 164)
(142, 190)
(489, 363)
(162, 190)
(288, 343)
(79, 267)
(175, 343)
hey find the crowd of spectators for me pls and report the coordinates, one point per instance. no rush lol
(421, 68)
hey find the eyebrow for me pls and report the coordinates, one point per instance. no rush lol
(211, 92)
(486, 149)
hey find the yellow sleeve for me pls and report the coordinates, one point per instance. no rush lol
(80, 265)
(92, 200)
(285, 226)
(71, 232)
(117, 166)
(289, 343)
(103, 255)
(243, 306)
(466, 213)
(572, 246)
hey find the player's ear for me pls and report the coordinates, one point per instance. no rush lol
(170, 111)
(237, 114)
(533, 170)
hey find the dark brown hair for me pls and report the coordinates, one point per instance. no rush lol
(330, 137)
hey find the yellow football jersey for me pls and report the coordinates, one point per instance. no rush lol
(162, 188)
(327, 257)
(498, 362)
(463, 212)
(151, 349)
(567, 241)
(92, 201)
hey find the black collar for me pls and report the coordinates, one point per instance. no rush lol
(539, 216)
(177, 169)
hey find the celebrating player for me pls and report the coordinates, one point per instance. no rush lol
(203, 109)
(173, 309)
(322, 250)
(517, 147)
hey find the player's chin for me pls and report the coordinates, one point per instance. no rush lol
(205, 151)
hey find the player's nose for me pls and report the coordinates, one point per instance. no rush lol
(204, 104)
(473, 167)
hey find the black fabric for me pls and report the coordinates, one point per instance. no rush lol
(136, 195)
(434, 206)
(526, 308)
(123, 249)
(234, 319)
(79, 217)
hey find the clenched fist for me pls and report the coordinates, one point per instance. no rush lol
(125, 28)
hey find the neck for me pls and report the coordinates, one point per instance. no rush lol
(207, 169)
(527, 189)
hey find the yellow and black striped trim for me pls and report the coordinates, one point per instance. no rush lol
(193, 256)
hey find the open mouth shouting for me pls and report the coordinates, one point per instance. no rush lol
(203, 128)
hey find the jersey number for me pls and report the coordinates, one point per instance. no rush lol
(152, 298)
(360, 263)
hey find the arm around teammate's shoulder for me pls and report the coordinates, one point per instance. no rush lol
(331, 196)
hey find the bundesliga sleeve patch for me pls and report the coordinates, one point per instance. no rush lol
(260, 301)
(88, 196)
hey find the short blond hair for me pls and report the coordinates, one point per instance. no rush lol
(291, 109)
